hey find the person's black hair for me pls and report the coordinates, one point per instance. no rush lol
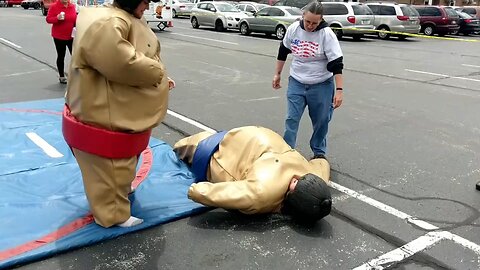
(309, 201)
(127, 5)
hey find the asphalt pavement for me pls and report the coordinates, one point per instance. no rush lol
(404, 151)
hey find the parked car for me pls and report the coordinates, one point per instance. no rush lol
(473, 11)
(438, 20)
(11, 3)
(35, 4)
(467, 24)
(181, 8)
(268, 2)
(293, 3)
(220, 15)
(271, 20)
(400, 18)
(250, 8)
(346, 17)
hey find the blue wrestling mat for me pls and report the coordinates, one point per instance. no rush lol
(43, 207)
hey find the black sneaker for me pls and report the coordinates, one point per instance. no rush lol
(478, 185)
(318, 156)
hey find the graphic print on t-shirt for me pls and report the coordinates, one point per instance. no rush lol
(303, 48)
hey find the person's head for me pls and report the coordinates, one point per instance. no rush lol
(308, 199)
(312, 16)
(134, 7)
(65, 2)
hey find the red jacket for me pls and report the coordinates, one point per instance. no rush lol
(62, 29)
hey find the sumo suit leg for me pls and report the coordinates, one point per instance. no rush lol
(107, 183)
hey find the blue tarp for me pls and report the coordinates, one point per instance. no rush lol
(40, 194)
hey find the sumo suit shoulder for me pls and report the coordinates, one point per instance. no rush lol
(251, 170)
(117, 82)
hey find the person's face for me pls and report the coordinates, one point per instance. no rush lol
(64, 1)
(138, 12)
(311, 21)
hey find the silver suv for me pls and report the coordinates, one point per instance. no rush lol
(220, 15)
(348, 19)
(394, 17)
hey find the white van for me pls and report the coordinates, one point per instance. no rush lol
(163, 21)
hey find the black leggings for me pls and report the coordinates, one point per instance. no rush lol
(61, 47)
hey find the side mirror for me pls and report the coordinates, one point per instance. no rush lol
(254, 13)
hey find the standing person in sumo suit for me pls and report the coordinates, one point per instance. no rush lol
(253, 170)
(117, 92)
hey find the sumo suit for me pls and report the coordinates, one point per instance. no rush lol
(247, 169)
(117, 92)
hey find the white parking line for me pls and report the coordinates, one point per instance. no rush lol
(403, 252)
(443, 75)
(24, 73)
(10, 43)
(400, 253)
(467, 65)
(46, 147)
(210, 39)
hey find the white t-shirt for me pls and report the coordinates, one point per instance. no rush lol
(311, 53)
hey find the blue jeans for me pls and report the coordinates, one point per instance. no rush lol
(319, 99)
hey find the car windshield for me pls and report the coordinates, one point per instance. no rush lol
(409, 11)
(260, 6)
(361, 10)
(464, 15)
(224, 7)
(294, 11)
(451, 12)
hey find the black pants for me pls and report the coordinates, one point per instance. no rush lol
(61, 47)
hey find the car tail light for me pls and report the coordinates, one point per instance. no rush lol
(403, 18)
(351, 19)
(468, 21)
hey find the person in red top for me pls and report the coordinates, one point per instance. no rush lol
(62, 15)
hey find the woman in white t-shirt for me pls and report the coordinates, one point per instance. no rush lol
(315, 76)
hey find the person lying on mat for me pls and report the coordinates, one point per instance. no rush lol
(253, 170)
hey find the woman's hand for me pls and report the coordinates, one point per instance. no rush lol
(337, 99)
(276, 82)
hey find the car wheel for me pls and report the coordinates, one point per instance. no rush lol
(429, 30)
(244, 30)
(280, 32)
(44, 11)
(195, 23)
(174, 13)
(219, 26)
(25, 7)
(383, 35)
(337, 30)
(36, 5)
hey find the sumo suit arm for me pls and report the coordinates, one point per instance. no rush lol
(107, 50)
(239, 195)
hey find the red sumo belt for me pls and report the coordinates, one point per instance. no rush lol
(102, 142)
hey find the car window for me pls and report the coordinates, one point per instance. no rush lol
(275, 12)
(361, 10)
(409, 11)
(432, 11)
(260, 6)
(451, 12)
(202, 6)
(335, 9)
(250, 8)
(294, 3)
(241, 7)
(375, 9)
(294, 11)
(387, 10)
(470, 11)
(263, 11)
(224, 7)
(210, 6)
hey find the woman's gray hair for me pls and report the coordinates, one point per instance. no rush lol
(314, 7)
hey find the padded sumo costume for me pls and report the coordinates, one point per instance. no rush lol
(117, 92)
